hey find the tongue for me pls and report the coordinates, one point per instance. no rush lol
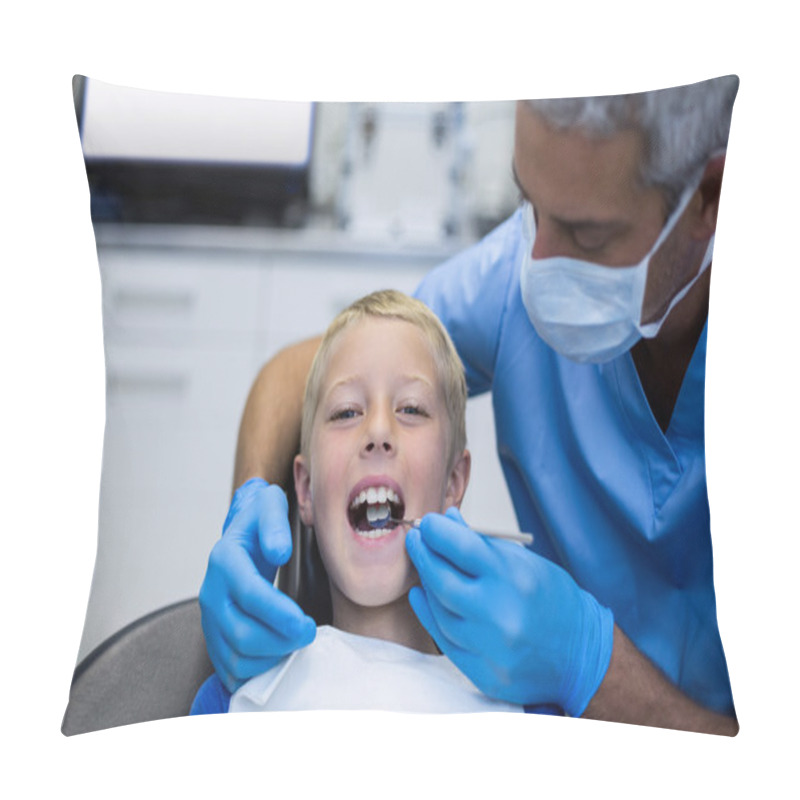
(378, 515)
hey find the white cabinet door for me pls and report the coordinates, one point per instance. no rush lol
(178, 296)
(171, 426)
(180, 336)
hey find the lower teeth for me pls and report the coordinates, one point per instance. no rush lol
(373, 533)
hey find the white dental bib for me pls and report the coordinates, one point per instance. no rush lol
(342, 671)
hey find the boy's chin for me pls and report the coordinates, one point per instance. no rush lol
(381, 594)
(380, 598)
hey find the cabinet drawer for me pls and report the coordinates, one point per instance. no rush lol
(177, 387)
(172, 296)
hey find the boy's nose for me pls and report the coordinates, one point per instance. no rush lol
(379, 434)
(386, 446)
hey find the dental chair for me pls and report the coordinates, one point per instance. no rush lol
(152, 668)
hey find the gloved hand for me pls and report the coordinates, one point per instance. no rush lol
(248, 623)
(516, 624)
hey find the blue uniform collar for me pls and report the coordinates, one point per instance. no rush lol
(666, 452)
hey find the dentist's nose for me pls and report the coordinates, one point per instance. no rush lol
(545, 243)
(542, 236)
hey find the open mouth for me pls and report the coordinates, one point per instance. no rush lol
(372, 510)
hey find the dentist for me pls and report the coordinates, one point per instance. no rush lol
(585, 314)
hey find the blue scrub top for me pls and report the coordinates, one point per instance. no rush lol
(608, 496)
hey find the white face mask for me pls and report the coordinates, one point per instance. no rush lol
(588, 312)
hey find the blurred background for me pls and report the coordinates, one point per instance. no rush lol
(227, 229)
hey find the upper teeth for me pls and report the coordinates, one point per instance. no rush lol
(375, 494)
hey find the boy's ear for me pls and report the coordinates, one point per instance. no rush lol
(458, 480)
(302, 488)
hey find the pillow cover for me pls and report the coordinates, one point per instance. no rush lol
(227, 229)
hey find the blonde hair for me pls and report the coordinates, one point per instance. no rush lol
(391, 304)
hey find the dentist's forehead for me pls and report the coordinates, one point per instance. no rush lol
(572, 172)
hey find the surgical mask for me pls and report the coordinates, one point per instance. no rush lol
(589, 312)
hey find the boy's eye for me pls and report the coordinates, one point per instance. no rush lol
(343, 413)
(411, 408)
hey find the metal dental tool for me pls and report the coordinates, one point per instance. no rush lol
(513, 536)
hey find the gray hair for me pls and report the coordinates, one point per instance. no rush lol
(682, 127)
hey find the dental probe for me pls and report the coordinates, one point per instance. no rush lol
(513, 536)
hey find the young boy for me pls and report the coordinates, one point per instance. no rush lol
(382, 439)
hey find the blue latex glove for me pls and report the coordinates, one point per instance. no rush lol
(516, 624)
(248, 623)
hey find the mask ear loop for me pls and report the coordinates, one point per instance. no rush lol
(528, 223)
(650, 330)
